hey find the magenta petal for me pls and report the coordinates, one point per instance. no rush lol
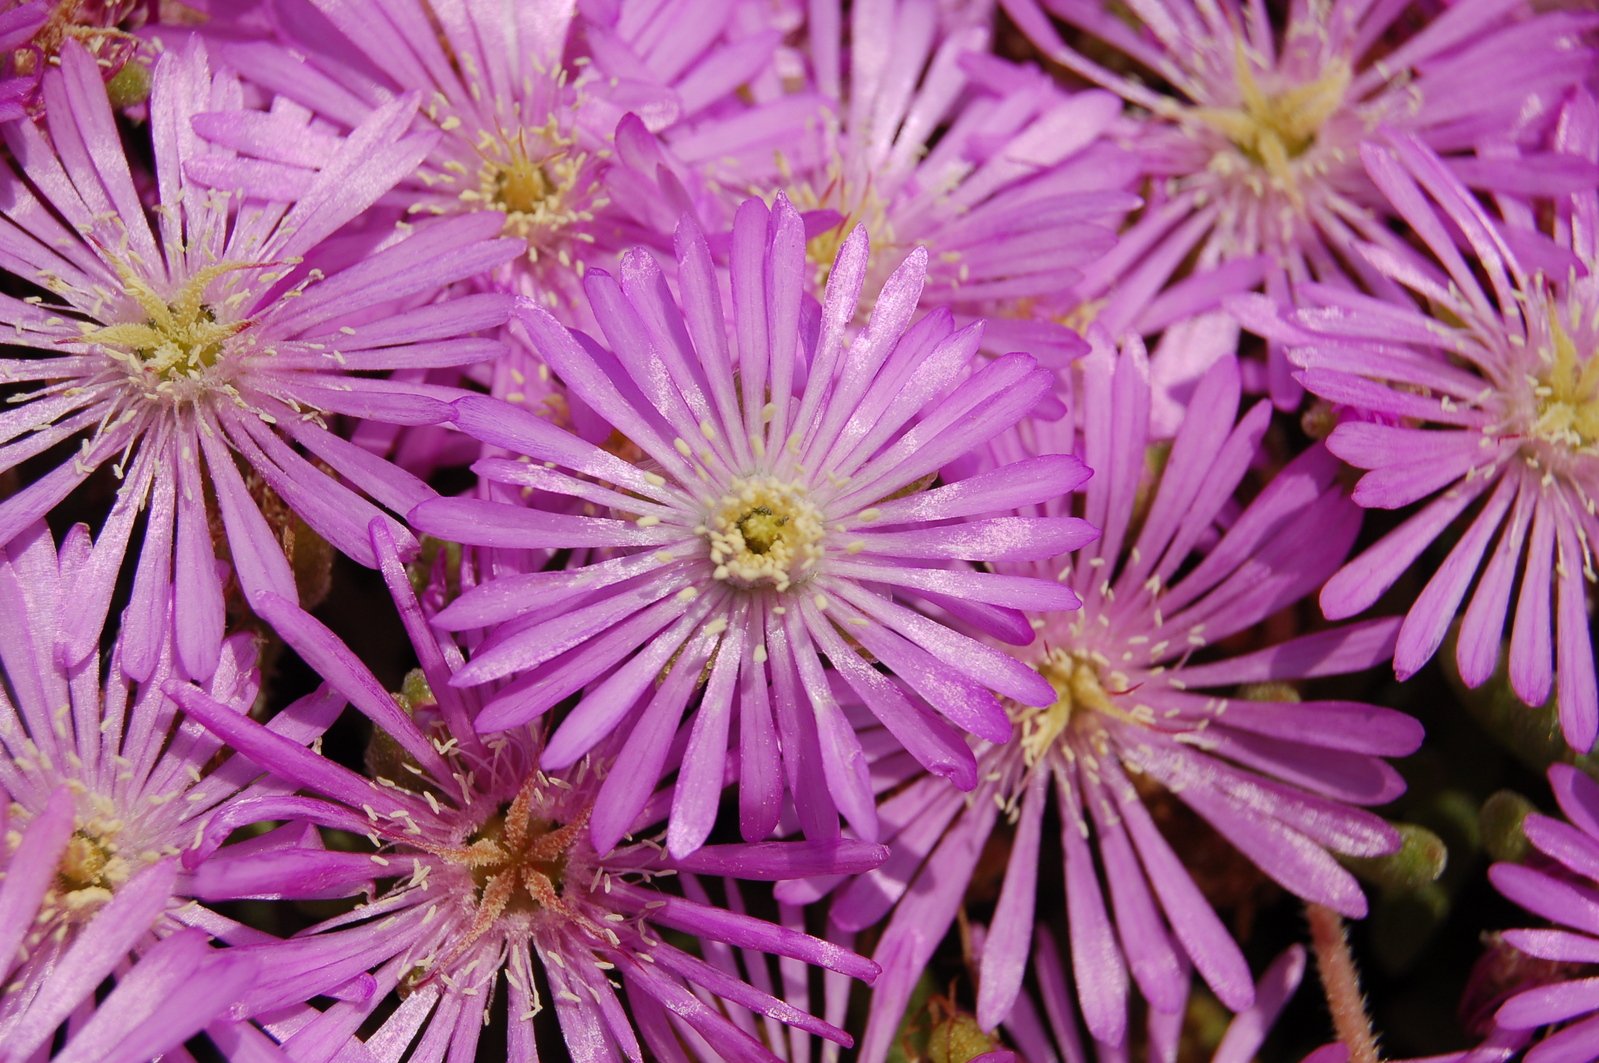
(30, 872)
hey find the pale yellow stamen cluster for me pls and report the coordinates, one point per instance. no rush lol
(539, 178)
(94, 865)
(859, 207)
(765, 531)
(180, 339)
(1082, 685)
(1273, 130)
(1567, 395)
(90, 870)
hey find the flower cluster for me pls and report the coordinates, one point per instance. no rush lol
(747, 530)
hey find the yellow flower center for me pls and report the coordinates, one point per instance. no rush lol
(93, 866)
(521, 187)
(536, 177)
(1567, 395)
(1274, 129)
(180, 338)
(89, 871)
(1082, 685)
(765, 531)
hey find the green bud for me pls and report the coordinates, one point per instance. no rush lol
(129, 86)
(958, 1039)
(1531, 733)
(1501, 817)
(415, 691)
(311, 557)
(1419, 860)
(1319, 419)
(421, 570)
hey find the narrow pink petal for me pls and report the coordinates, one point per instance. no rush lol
(197, 614)
(628, 786)
(1096, 958)
(1439, 602)
(1578, 696)
(702, 776)
(257, 556)
(98, 950)
(30, 872)
(1005, 951)
(1531, 644)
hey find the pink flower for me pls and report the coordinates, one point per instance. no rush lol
(1011, 183)
(172, 353)
(1565, 891)
(1254, 146)
(523, 99)
(771, 506)
(488, 876)
(102, 784)
(1139, 695)
(1479, 396)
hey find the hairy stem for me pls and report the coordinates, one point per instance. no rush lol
(1341, 982)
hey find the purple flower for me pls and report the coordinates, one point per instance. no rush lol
(1255, 146)
(1054, 1031)
(178, 986)
(1009, 181)
(524, 98)
(771, 506)
(490, 875)
(1565, 891)
(101, 786)
(174, 353)
(1482, 396)
(1137, 697)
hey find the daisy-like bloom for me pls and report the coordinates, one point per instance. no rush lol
(178, 987)
(1140, 706)
(174, 354)
(1253, 124)
(524, 105)
(102, 784)
(769, 504)
(1564, 890)
(489, 876)
(1053, 1031)
(1482, 394)
(1020, 191)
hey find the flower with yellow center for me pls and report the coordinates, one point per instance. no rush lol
(1476, 405)
(173, 351)
(540, 178)
(1147, 683)
(197, 348)
(1082, 688)
(1253, 120)
(1274, 129)
(765, 531)
(783, 507)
